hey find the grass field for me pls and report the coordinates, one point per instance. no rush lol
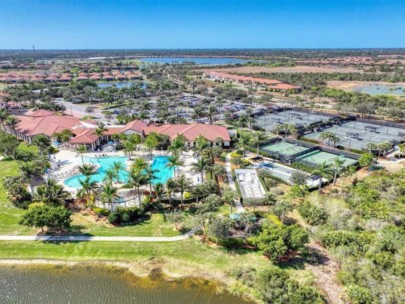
(155, 226)
(9, 215)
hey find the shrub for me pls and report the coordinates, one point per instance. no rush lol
(359, 295)
(312, 214)
(114, 218)
(101, 211)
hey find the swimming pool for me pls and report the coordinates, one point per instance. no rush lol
(162, 174)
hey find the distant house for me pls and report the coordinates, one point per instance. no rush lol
(211, 132)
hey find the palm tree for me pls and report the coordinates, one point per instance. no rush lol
(150, 174)
(170, 188)
(159, 189)
(200, 167)
(183, 184)
(243, 143)
(110, 175)
(80, 150)
(174, 162)
(3, 116)
(139, 164)
(269, 199)
(109, 195)
(11, 122)
(211, 111)
(337, 167)
(100, 130)
(137, 179)
(51, 193)
(201, 144)
(87, 170)
(117, 167)
(257, 138)
(30, 170)
(323, 171)
(178, 144)
(87, 188)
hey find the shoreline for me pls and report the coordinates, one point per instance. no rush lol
(150, 268)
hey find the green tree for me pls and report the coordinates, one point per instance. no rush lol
(338, 165)
(87, 188)
(41, 215)
(257, 139)
(183, 184)
(366, 160)
(30, 170)
(109, 195)
(243, 144)
(174, 162)
(174, 217)
(117, 167)
(218, 228)
(200, 166)
(8, 144)
(43, 143)
(80, 150)
(137, 179)
(278, 241)
(323, 171)
(87, 170)
(51, 193)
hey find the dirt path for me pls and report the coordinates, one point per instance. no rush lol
(325, 272)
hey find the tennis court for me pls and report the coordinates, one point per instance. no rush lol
(317, 158)
(357, 135)
(283, 148)
(297, 118)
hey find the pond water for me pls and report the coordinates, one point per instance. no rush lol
(119, 85)
(102, 285)
(381, 89)
(197, 60)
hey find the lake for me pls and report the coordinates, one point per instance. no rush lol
(379, 89)
(53, 284)
(119, 85)
(197, 60)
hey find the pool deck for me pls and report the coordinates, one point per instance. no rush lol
(69, 160)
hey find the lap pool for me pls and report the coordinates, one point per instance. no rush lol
(162, 173)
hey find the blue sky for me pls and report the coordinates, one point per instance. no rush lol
(61, 24)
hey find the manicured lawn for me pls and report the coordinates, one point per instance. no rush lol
(155, 226)
(9, 215)
(189, 252)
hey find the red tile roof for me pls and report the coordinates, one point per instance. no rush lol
(87, 136)
(135, 125)
(191, 132)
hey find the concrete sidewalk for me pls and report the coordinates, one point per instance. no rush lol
(84, 238)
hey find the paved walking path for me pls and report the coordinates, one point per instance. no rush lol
(231, 182)
(84, 238)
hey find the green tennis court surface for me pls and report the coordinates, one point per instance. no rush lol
(284, 148)
(319, 157)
